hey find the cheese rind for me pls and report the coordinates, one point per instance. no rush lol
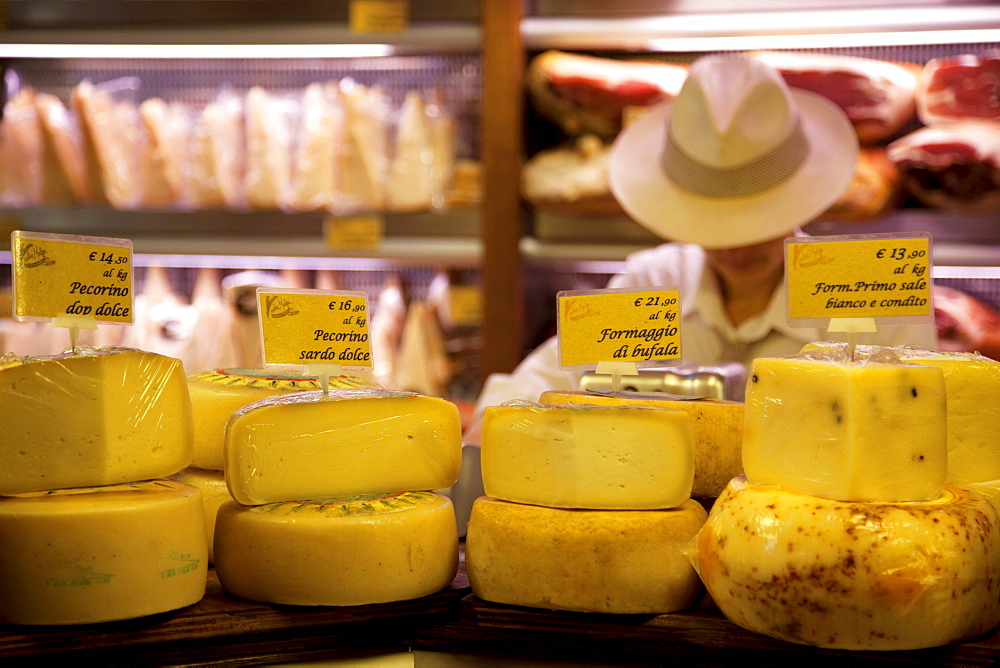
(337, 552)
(99, 416)
(849, 575)
(869, 430)
(597, 457)
(100, 554)
(218, 393)
(611, 561)
(342, 443)
(213, 494)
(717, 427)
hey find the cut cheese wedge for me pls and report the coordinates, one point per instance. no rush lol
(217, 394)
(213, 494)
(338, 552)
(859, 576)
(612, 561)
(596, 457)
(716, 424)
(820, 423)
(99, 416)
(342, 443)
(100, 554)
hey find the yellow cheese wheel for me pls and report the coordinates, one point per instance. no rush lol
(853, 575)
(213, 494)
(336, 552)
(613, 561)
(717, 426)
(585, 456)
(218, 393)
(341, 443)
(101, 554)
(98, 416)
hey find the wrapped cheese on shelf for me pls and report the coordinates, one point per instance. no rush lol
(307, 445)
(168, 127)
(269, 122)
(21, 152)
(313, 178)
(363, 156)
(92, 417)
(218, 155)
(63, 135)
(852, 575)
(409, 184)
(571, 178)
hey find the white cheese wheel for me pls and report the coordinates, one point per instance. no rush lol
(336, 552)
(717, 426)
(101, 554)
(827, 424)
(611, 561)
(580, 456)
(213, 494)
(860, 576)
(341, 443)
(218, 393)
(99, 416)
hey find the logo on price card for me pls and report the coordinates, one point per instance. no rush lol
(618, 326)
(314, 327)
(874, 276)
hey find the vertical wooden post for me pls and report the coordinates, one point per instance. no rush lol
(501, 148)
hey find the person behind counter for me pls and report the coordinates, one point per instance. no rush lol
(726, 171)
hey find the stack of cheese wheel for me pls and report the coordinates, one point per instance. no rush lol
(587, 508)
(92, 529)
(844, 532)
(333, 500)
(215, 396)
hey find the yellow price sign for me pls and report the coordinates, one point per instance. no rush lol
(71, 278)
(466, 304)
(314, 327)
(618, 326)
(370, 16)
(874, 276)
(354, 232)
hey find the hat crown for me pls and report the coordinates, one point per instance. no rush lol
(731, 112)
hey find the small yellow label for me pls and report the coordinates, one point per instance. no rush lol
(88, 278)
(858, 278)
(368, 16)
(619, 326)
(353, 232)
(314, 327)
(466, 304)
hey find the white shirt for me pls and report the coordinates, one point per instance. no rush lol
(707, 334)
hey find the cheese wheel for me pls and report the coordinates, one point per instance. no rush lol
(848, 575)
(98, 416)
(101, 554)
(580, 456)
(337, 552)
(869, 429)
(213, 494)
(611, 561)
(341, 443)
(717, 426)
(218, 393)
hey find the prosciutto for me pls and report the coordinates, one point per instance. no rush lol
(962, 87)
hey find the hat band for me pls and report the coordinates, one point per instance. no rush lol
(751, 178)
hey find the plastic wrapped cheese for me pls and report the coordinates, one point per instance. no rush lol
(848, 575)
(98, 416)
(868, 429)
(586, 456)
(308, 445)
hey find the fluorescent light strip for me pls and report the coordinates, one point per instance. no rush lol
(196, 50)
(839, 40)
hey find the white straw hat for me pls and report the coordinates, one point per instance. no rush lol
(735, 159)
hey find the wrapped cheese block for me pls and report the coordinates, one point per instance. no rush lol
(269, 121)
(99, 554)
(307, 445)
(373, 549)
(95, 417)
(587, 456)
(870, 429)
(571, 178)
(62, 131)
(961, 87)
(849, 575)
(214, 493)
(409, 185)
(608, 561)
(217, 394)
(716, 425)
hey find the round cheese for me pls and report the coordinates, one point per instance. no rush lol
(217, 394)
(100, 554)
(611, 561)
(337, 552)
(213, 494)
(853, 575)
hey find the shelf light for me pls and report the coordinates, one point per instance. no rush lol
(207, 51)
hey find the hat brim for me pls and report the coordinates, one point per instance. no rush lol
(652, 199)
